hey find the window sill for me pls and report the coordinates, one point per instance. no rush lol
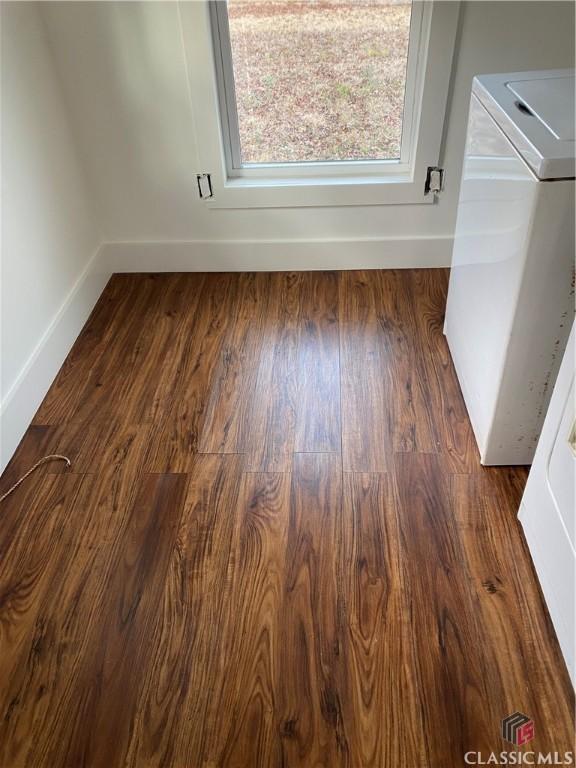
(318, 192)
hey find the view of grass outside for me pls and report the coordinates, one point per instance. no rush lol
(319, 79)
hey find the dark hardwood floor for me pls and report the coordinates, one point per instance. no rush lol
(275, 546)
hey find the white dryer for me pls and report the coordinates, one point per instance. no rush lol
(511, 294)
(548, 511)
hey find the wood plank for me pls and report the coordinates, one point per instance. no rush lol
(244, 728)
(32, 514)
(176, 704)
(103, 371)
(428, 289)
(90, 449)
(381, 715)
(39, 441)
(72, 600)
(110, 311)
(35, 529)
(106, 684)
(156, 725)
(115, 396)
(454, 680)
(176, 342)
(508, 482)
(208, 532)
(175, 440)
(270, 441)
(517, 635)
(318, 399)
(311, 618)
(366, 378)
(146, 395)
(411, 417)
(226, 424)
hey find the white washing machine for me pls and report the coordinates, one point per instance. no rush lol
(511, 295)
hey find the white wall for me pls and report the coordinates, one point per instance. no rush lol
(48, 230)
(124, 72)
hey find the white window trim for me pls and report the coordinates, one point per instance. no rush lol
(433, 31)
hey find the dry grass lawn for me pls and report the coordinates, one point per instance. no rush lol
(319, 79)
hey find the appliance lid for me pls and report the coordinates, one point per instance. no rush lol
(551, 101)
(536, 112)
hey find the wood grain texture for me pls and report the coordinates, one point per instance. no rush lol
(440, 597)
(226, 423)
(365, 376)
(101, 384)
(427, 292)
(510, 607)
(318, 405)
(246, 721)
(270, 442)
(413, 426)
(118, 647)
(310, 705)
(275, 546)
(110, 315)
(177, 432)
(378, 666)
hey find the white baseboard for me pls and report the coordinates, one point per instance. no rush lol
(25, 395)
(276, 255)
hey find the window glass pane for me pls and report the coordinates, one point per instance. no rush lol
(319, 79)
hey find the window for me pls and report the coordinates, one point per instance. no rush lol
(318, 102)
(309, 81)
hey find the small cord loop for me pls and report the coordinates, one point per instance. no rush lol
(43, 460)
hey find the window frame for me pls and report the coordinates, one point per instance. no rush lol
(420, 18)
(323, 183)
